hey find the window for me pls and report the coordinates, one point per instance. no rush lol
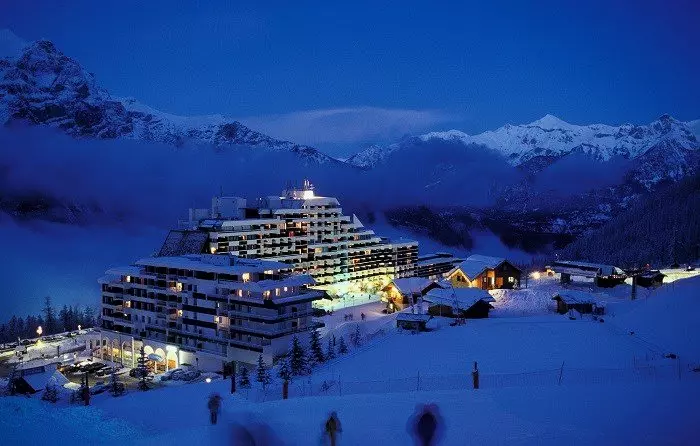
(511, 279)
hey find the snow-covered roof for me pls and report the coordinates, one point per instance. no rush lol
(437, 258)
(571, 297)
(38, 381)
(412, 285)
(270, 284)
(477, 264)
(124, 271)
(573, 267)
(201, 262)
(462, 298)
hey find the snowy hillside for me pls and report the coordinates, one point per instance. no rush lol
(41, 85)
(665, 148)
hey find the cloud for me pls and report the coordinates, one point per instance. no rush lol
(347, 125)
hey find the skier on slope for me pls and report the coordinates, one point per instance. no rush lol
(214, 405)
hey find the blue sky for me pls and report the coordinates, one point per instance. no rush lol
(340, 77)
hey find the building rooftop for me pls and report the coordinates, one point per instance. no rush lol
(214, 263)
(604, 270)
(462, 298)
(411, 285)
(571, 297)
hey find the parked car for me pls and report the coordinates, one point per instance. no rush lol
(98, 388)
(136, 373)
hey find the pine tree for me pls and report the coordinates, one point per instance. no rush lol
(244, 379)
(49, 316)
(356, 337)
(116, 387)
(315, 350)
(342, 347)
(298, 359)
(143, 369)
(330, 352)
(50, 393)
(88, 317)
(63, 318)
(284, 373)
(262, 373)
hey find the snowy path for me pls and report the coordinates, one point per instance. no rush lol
(636, 414)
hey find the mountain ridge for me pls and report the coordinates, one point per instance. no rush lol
(43, 86)
(537, 144)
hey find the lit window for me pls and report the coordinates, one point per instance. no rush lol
(511, 279)
(277, 291)
(246, 277)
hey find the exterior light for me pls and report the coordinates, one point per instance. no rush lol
(536, 275)
(170, 348)
(79, 327)
(39, 330)
(208, 380)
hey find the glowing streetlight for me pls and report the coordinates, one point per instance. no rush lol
(39, 330)
(536, 275)
(208, 380)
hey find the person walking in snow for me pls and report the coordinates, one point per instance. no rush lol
(332, 428)
(425, 425)
(362, 316)
(214, 405)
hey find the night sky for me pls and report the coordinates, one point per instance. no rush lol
(340, 77)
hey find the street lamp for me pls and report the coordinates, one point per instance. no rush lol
(39, 330)
(79, 327)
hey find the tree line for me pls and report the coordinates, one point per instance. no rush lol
(50, 320)
(660, 229)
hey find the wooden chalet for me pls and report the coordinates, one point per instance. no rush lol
(484, 272)
(404, 292)
(410, 321)
(606, 276)
(468, 303)
(650, 279)
(584, 303)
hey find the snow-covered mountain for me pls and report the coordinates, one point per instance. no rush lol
(665, 148)
(41, 85)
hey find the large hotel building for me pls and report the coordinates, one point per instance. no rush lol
(236, 281)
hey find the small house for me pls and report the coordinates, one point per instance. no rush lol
(404, 292)
(410, 321)
(606, 276)
(484, 272)
(36, 378)
(650, 279)
(581, 301)
(469, 303)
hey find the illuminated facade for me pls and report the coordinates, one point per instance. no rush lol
(306, 231)
(204, 309)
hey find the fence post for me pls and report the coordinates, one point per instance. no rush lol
(561, 372)
(475, 376)
(285, 390)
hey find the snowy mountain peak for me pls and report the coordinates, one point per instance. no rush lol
(550, 122)
(43, 86)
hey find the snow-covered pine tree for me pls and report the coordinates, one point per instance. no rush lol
(243, 378)
(297, 362)
(342, 347)
(50, 393)
(143, 369)
(330, 351)
(315, 349)
(116, 387)
(262, 373)
(284, 373)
